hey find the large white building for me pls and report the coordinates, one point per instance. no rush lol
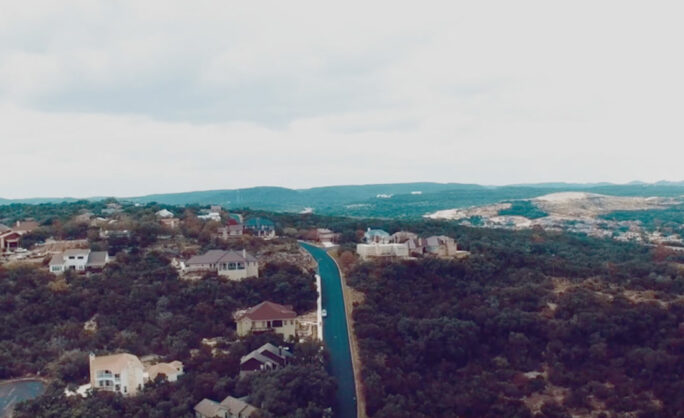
(122, 373)
(78, 260)
(377, 250)
(232, 264)
(125, 373)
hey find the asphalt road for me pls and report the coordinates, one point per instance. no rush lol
(335, 335)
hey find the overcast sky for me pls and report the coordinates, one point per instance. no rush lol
(134, 97)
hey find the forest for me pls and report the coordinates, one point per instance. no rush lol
(534, 323)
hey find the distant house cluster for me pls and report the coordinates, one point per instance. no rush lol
(267, 317)
(79, 260)
(235, 265)
(404, 244)
(125, 374)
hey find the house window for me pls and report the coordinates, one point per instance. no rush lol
(277, 323)
(80, 257)
(125, 389)
(71, 257)
(116, 376)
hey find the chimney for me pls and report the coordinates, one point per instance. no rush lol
(91, 356)
(244, 253)
(280, 350)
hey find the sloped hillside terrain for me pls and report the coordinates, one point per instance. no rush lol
(535, 323)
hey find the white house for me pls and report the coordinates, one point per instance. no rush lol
(164, 214)
(78, 260)
(211, 216)
(122, 373)
(377, 250)
(377, 236)
(232, 264)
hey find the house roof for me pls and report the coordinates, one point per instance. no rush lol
(164, 213)
(237, 407)
(254, 355)
(9, 234)
(210, 257)
(114, 362)
(220, 256)
(97, 258)
(168, 369)
(437, 240)
(26, 226)
(57, 260)
(259, 223)
(4, 228)
(268, 311)
(376, 232)
(260, 354)
(76, 252)
(208, 408)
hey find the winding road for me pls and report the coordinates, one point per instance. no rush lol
(335, 332)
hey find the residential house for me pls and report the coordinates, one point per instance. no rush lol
(125, 373)
(122, 373)
(9, 240)
(111, 208)
(230, 407)
(24, 227)
(171, 223)
(382, 250)
(232, 264)
(233, 228)
(416, 246)
(376, 236)
(266, 357)
(267, 317)
(83, 218)
(324, 235)
(215, 209)
(164, 213)
(211, 216)
(403, 236)
(441, 246)
(170, 370)
(260, 227)
(78, 260)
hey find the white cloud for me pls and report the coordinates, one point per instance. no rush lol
(140, 97)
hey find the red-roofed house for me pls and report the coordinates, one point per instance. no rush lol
(267, 317)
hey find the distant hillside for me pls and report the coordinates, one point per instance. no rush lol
(401, 200)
